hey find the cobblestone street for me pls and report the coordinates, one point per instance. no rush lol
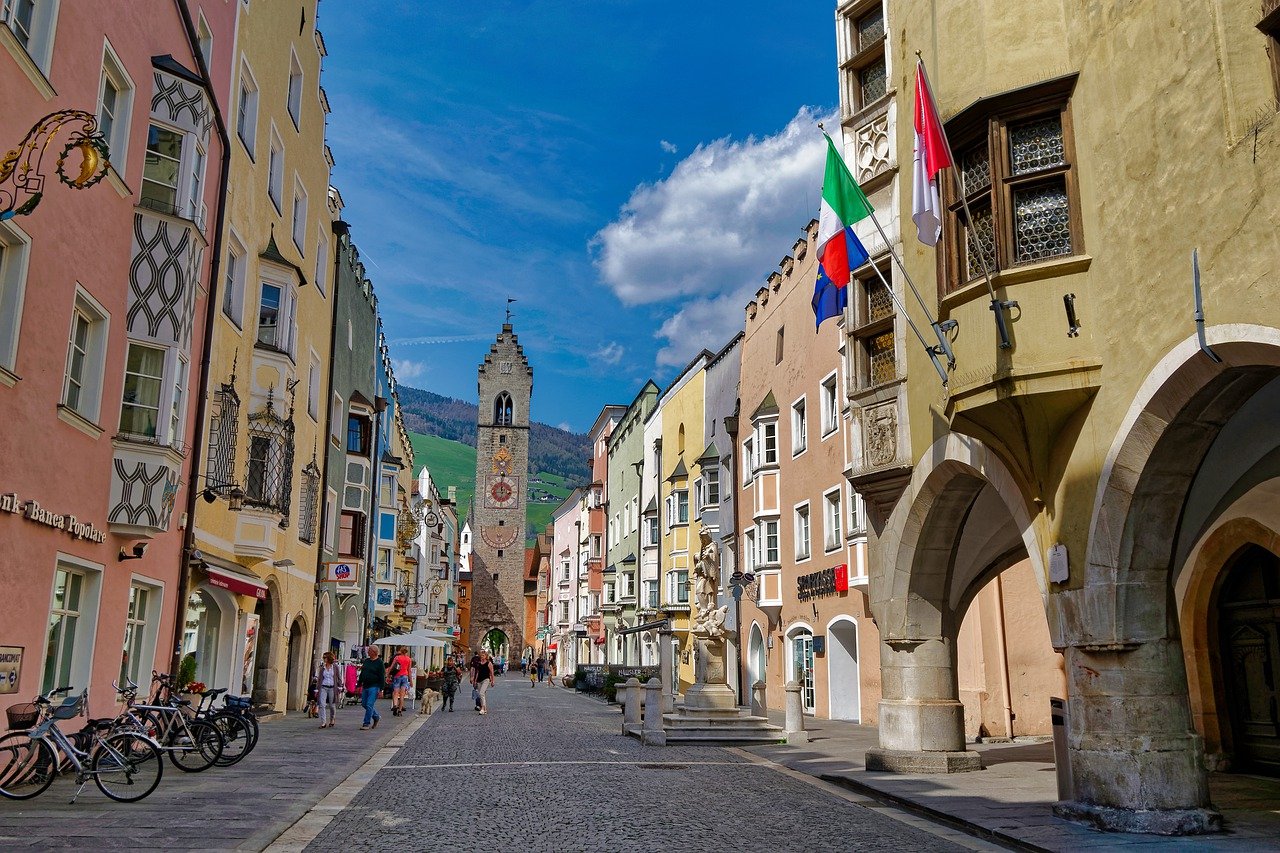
(547, 770)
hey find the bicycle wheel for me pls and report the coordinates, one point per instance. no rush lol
(127, 767)
(27, 767)
(236, 736)
(198, 747)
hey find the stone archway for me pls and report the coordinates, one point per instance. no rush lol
(265, 662)
(963, 519)
(1125, 660)
(757, 657)
(297, 672)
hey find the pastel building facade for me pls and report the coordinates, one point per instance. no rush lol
(102, 321)
(627, 529)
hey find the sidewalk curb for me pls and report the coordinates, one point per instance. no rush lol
(304, 830)
(976, 830)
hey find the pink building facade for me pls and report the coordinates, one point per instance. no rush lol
(102, 313)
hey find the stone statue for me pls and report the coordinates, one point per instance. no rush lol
(706, 571)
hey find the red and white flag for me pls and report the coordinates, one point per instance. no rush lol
(931, 156)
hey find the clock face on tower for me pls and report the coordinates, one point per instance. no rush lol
(503, 492)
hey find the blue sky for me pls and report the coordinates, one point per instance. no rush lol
(628, 170)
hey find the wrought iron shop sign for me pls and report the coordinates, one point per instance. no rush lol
(826, 582)
(32, 511)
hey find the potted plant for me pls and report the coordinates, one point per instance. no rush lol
(435, 680)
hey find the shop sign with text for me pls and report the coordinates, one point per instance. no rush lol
(10, 668)
(826, 582)
(31, 510)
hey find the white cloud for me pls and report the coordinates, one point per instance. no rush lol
(669, 147)
(707, 236)
(407, 370)
(610, 353)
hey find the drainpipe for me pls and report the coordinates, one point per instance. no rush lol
(1004, 661)
(206, 351)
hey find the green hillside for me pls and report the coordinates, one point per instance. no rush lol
(454, 464)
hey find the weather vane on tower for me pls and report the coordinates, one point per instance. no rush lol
(509, 301)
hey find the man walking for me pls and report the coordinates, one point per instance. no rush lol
(542, 667)
(482, 680)
(373, 676)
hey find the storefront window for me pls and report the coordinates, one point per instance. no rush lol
(64, 618)
(135, 629)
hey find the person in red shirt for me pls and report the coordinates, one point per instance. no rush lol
(401, 667)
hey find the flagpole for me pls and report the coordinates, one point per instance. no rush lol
(998, 306)
(939, 328)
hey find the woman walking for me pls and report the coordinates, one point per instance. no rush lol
(328, 681)
(373, 677)
(482, 680)
(401, 665)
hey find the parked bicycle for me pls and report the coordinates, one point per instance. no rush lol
(193, 744)
(126, 766)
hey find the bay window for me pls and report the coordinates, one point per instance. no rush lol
(143, 383)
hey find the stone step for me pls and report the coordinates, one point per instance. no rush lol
(720, 738)
(713, 719)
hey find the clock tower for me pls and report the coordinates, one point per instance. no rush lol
(498, 510)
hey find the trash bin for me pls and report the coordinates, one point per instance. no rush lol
(1058, 714)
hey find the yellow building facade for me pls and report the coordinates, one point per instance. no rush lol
(1111, 444)
(251, 612)
(682, 413)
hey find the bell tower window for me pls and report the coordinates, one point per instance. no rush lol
(502, 412)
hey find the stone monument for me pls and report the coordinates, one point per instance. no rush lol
(710, 690)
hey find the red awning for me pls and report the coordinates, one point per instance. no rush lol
(237, 582)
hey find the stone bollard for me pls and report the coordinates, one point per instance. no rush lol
(795, 732)
(631, 706)
(759, 702)
(653, 733)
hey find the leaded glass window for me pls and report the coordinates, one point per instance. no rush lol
(875, 358)
(1017, 174)
(864, 75)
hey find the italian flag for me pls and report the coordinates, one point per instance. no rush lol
(839, 250)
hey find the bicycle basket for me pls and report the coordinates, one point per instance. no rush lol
(69, 709)
(238, 702)
(22, 716)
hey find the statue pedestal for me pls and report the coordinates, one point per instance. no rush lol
(710, 690)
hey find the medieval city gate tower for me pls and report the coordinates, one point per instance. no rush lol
(498, 512)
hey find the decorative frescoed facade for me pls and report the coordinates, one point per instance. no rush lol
(103, 296)
(251, 624)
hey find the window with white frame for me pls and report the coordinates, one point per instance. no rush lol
(15, 249)
(566, 569)
(295, 90)
(698, 497)
(833, 516)
(830, 406)
(247, 110)
(769, 443)
(678, 586)
(139, 633)
(115, 106)
(770, 553)
(195, 184)
(70, 633)
(711, 484)
(233, 283)
(178, 402)
(313, 389)
(626, 585)
(678, 507)
(384, 565)
(299, 215)
(855, 513)
(748, 461)
(651, 530)
(275, 170)
(749, 555)
(277, 313)
(143, 386)
(32, 23)
(204, 41)
(322, 262)
(610, 588)
(331, 519)
(86, 357)
(162, 169)
(799, 427)
(595, 546)
(336, 421)
(803, 532)
(649, 594)
(387, 494)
